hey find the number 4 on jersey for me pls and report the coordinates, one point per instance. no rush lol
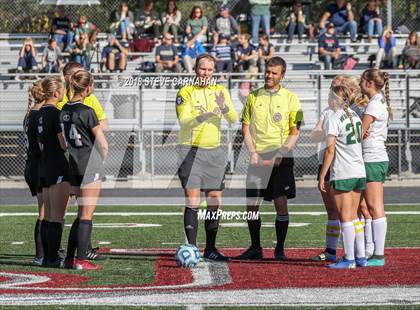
(74, 135)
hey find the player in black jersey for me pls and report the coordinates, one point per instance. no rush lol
(54, 170)
(88, 148)
(33, 158)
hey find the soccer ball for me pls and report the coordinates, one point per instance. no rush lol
(187, 255)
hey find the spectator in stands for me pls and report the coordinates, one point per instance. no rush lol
(246, 55)
(61, 29)
(260, 14)
(341, 15)
(191, 52)
(114, 55)
(122, 22)
(265, 52)
(371, 22)
(81, 51)
(387, 49)
(171, 19)
(166, 55)
(223, 53)
(27, 56)
(224, 24)
(87, 27)
(411, 51)
(328, 47)
(51, 58)
(148, 22)
(197, 25)
(296, 22)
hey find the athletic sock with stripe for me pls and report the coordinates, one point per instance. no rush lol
(332, 234)
(359, 239)
(254, 227)
(347, 230)
(191, 224)
(282, 224)
(211, 225)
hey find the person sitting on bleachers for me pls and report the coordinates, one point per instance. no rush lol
(260, 14)
(341, 15)
(62, 29)
(51, 58)
(246, 55)
(114, 55)
(191, 52)
(197, 25)
(295, 22)
(265, 52)
(387, 49)
(171, 19)
(27, 56)
(223, 53)
(148, 22)
(166, 55)
(122, 22)
(81, 51)
(224, 24)
(411, 51)
(87, 27)
(328, 47)
(371, 22)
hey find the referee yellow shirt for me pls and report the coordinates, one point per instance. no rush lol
(191, 102)
(91, 101)
(270, 116)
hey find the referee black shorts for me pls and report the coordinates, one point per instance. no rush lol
(271, 182)
(202, 168)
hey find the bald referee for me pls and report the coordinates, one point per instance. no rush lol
(200, 109)
(271, 119)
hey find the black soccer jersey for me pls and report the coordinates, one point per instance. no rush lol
(30, 128)
(53, 158)
(78, 121)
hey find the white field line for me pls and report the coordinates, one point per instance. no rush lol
(314, 213)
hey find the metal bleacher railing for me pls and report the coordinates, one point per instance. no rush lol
(143, 126)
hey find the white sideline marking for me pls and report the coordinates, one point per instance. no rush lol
(121, 225)
(315, 213)
(262, 225)
(18, 242)
(104, 242)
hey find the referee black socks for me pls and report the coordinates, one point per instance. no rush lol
(191, 224)
(211, 224)
(282, 224)
(83, 238)
(254, 227)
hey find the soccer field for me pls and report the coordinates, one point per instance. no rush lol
(140, 243)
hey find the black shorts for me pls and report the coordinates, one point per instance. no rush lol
(32, 176)
(202, 168)
(327, 176)
(271, 182)
(79, 180)
(54, 178)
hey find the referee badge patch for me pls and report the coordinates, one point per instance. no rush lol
(179, 100)
(277, 117)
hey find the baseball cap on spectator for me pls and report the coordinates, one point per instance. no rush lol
(223, 8)
(330, 25)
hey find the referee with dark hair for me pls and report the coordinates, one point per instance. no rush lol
(271, 119)
(200, 108)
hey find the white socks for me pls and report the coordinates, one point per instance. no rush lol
(332, 234)
(348, 233)
(359, 244)
(369, 246)
(379, 227)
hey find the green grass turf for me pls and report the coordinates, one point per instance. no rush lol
(403, 230)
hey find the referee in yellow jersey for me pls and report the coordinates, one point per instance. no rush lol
(200, 108)
(271, 119)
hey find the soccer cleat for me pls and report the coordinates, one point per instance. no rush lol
(94, 255)
(368, 254)
(68, 263)
(251, 254)
(38, 261)
(343, 264)
(84, 264)
(279, 254)
(324, 256)
(215, 255)
(375, 261)
(58, 263)
(361, 262)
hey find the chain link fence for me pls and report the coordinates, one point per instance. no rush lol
(35, 18)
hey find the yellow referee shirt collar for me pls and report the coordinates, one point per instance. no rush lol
(268, 92)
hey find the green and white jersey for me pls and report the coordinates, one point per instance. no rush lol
(374, 145)
(325, 114)
(348, 160)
